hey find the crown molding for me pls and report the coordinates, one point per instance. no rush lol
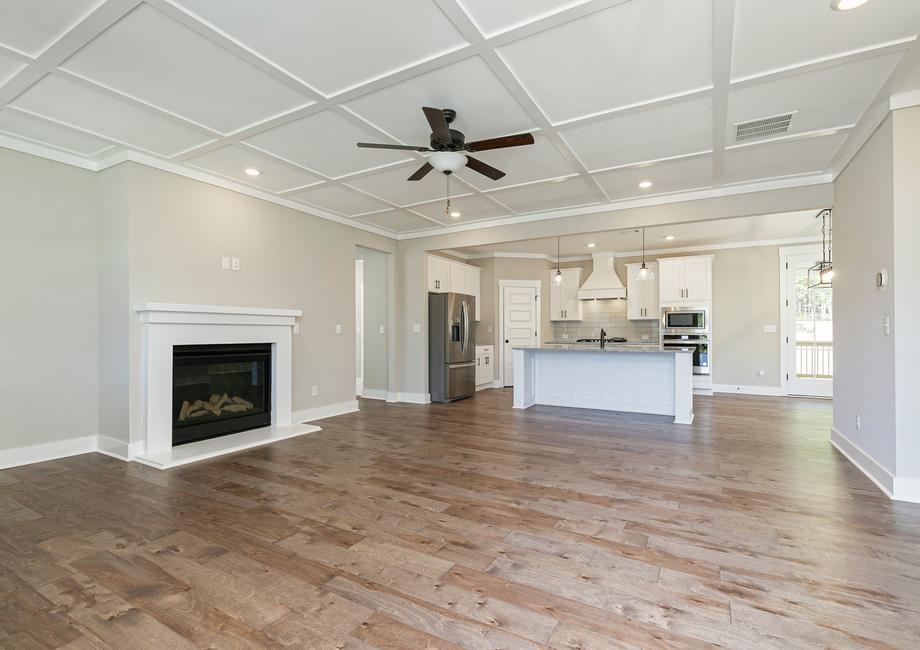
(904, 100)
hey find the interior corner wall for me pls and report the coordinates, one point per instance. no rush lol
(376, 316)
(863, 243)
(906, 294)
(49, 388)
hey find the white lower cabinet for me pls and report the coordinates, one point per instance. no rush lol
(485, 366)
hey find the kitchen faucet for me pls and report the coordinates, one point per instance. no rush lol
(603, 338)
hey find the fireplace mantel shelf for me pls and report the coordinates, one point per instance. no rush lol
(215, 309)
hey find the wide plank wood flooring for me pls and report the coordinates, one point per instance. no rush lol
(471, 526)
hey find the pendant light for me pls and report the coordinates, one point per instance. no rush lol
(820, 275)
(644, 273)
(557, 278)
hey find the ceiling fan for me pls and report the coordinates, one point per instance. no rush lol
(447, 144)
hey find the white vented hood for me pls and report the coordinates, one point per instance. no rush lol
(603, 283)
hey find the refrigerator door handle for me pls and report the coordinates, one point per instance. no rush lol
(464, 325)
(466, 364)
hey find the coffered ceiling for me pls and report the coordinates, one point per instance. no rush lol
(615, 91)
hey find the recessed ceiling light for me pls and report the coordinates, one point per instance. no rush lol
(846, 5)
(645, 184)
(252, 171)
(455, 214)
(591, 245)
(669, 237)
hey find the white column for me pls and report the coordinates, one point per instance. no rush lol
(683, 388)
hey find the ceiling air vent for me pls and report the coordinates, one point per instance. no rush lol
(763, 127)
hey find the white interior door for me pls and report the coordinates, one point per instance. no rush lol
(809, 342)
(520, 318)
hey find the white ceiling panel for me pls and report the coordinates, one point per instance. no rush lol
(782, 33)
(39, 130)
(565, 193)
(338, 199)
(9, 67)
(665, 132)
(777, 159)
(232, 160)
(352, 44)
(630, 53)
(76, 105)
(30, 26)
(325, 143)
(485, 108)
(538, 161)
(397, 221)
(822, 99)
(391, 185)
(667, 176)
(471, 208)
(190, 77)
(492, 17)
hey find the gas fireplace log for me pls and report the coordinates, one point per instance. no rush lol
(183, 412)
(240, 400)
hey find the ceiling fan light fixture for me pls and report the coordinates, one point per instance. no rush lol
(645, 184)
(456, 214)
(252, 171)
(846, 5)
(447, 162)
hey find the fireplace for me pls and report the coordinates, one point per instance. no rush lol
(220, 389)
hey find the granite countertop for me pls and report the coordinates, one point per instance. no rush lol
(595, 347)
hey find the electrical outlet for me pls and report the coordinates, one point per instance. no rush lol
(235, 263)
(769, 329)
(380, 330)
(565, 336)
(858, 422)
(416, 328)
(338, 328)
(315, 391)
(761, 373)
(489, 329)
(225, 263)
(645, 337)
(886, 326)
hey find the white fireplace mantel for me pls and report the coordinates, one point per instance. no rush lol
(166, 325)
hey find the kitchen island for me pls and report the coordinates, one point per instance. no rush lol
(630, 378)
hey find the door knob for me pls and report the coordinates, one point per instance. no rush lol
(506, 341)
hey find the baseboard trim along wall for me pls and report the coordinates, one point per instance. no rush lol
(741, 389)
(119, 448)
(47, 451)
(374, 393)
(884, 479)
(414, 398)
(327, 411)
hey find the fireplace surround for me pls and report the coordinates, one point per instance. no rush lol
(168, 327)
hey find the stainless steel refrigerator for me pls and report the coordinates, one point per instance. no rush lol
(451, 346)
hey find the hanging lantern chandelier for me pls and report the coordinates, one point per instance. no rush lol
(820, 275)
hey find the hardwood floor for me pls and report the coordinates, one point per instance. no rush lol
(471, 525)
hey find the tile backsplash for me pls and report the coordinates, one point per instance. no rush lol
(609, 314)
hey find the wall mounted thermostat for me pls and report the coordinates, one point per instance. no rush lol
(881, 279)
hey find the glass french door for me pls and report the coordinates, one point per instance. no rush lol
(809, 331)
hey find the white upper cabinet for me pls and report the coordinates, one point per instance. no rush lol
(438, 274)
(642, 295)
(685, 279)
(564, 304)
(445, 275)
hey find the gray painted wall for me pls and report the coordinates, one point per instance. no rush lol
(49, 289)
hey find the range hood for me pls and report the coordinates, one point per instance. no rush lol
(603, 283)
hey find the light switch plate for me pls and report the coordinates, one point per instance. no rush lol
(315, 391)
(225, 263)
(416, 328)
(235, 264)
(338, 328)
(380, 329)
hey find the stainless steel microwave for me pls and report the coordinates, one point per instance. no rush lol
(685, 320)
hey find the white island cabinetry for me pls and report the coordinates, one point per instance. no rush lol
(633, 380)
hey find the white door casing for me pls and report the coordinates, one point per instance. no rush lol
(520, 320)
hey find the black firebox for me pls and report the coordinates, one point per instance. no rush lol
(220, 389)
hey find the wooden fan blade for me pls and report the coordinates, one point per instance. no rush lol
(484, 169)
(439, 128)
(421, 172)
(501, 143)
(401, 147)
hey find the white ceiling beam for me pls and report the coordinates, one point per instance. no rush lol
(723, 27)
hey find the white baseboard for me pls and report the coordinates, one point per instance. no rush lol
(907, 489)
(327, 411)
(485, 386)
(119, 448)
(497, 383)
(876, 473)
(413, 398)
(47, 451)
(774, 391)
(374, 393)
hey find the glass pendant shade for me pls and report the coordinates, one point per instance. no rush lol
(558, 277)
(645, 273)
